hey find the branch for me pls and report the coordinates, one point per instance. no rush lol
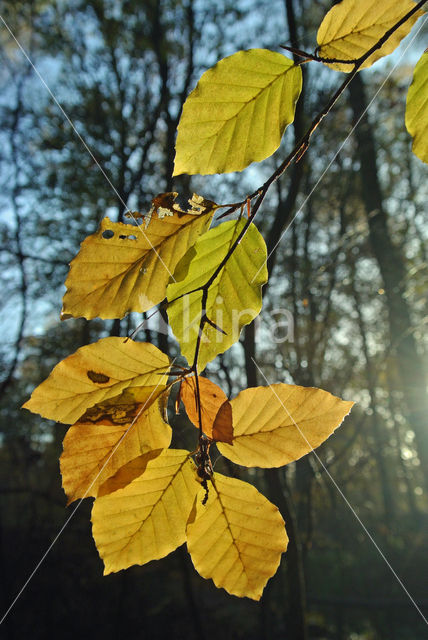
(14, 144)
(302, 145)
(27, 256)
(296, 154)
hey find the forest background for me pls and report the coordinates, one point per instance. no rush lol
(344, 310)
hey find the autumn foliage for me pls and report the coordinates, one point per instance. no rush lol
(150, 498)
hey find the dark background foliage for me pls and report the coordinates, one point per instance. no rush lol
(350, 269)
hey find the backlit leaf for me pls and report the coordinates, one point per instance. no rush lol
(108, 436)
(352, 27)
(146, 519)
(237, 538)
(123, 268)
(95, 373)
(275, 425)
(417, 109)
(234, 298)
(238, 112)
(216, 424)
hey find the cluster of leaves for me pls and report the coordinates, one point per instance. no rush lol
(149, 498)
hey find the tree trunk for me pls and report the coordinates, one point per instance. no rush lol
(376, 419)
(393, 272)
(296, 610)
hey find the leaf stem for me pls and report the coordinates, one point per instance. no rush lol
(198, 402)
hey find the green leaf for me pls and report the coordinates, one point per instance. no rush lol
(234, 298)
(353, 27)
(238, 112)
(417, 109)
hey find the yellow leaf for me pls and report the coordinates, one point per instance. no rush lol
(275, 425)
(238, 112)
(108, 436)
(234, 298)
(146, 519)
(417, 109)
(95, 373)
(123, 268)
(352, 27)
(237, 538)
(216, 424)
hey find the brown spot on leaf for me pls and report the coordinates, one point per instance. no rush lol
(164, 201)
(100, 378)
(107, 414)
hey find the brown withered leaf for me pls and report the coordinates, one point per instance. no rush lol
(164, 205)
(215, 408)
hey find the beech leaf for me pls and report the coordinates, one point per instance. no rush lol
(417, 109)
(265, 419)
(123, 268)
(145, 519)
(352, 27)
(237, 538)
(108, 436)
(234, 298)
(237, 113)
(215, 408)
(95, 373)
